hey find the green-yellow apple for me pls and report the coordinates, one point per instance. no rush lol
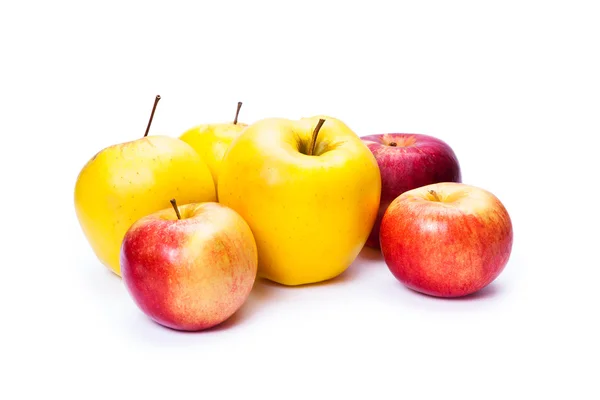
(127, 181)
(447, 239)
(309, 189)
(190, 268)
(211, 141)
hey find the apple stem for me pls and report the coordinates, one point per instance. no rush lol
(435, 195)
(237, 112)
(393, 144)
(152, 115)
(174, 204)
(313, 139)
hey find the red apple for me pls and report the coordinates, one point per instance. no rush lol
(191, 273)
(408, 161)
(447, 239)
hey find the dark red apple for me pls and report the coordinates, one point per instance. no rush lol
(446, 239)
(408, 161)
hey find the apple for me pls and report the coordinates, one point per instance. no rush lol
(190, 269)
(309, 189)
(211, 141)
(127, 181)
(447, 239)
(408, 161)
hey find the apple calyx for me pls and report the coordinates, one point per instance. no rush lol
(393, 144)
(434, 194)
(237, 113)
(174, 204)
(313, 140)
(152, 115)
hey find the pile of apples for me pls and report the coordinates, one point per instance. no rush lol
(190, 222)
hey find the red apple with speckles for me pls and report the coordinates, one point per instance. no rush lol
(447, 239)
(191, 267)
(408, 161)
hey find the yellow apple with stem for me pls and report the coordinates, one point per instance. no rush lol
(130, 180)
(309, 189)
(211, 141)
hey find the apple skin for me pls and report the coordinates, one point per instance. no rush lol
(449, 247)
(189, 274)
(211, 142)
(408, 161)
(310, 214)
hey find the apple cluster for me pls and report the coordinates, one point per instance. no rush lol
(191, 222)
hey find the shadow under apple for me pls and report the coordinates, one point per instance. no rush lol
(491, 291)
(349, 275)
(262, 293)
(353, 272)
(370, 254)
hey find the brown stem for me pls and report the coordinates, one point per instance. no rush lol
(237, 113)
(152, 115)
(435, 195)
(313, 139)
(174, 204)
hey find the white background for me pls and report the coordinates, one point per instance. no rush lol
(512, 86)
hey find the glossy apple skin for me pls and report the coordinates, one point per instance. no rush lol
(448, 248)
(211, 142)
(310, 214)
(189, 274)
(416, 160)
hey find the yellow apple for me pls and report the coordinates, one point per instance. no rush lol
(211, 141)
(309, 191)
(127, 181)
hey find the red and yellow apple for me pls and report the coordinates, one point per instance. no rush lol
(408, 161)
(447, 239)
(189, 268)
